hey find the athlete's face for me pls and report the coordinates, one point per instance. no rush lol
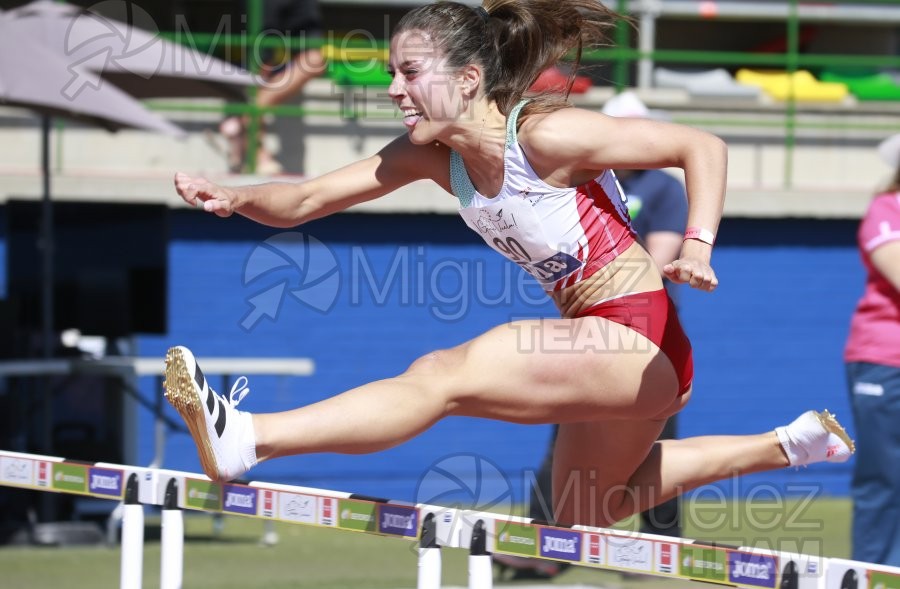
(424, 88)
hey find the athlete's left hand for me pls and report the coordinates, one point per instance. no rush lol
(692, 270)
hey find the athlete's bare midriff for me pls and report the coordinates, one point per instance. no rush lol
(632, 271)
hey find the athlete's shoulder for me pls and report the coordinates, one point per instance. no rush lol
(562, 121)
(559, 132)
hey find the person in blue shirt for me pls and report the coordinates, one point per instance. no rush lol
(657, 205)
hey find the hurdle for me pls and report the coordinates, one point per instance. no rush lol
(433, 527)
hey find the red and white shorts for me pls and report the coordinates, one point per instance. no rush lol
(653, 315)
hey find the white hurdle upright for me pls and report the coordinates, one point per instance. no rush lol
(429, 571)
(433, 527)
(171, 563)
(481, 571)
(132, 558)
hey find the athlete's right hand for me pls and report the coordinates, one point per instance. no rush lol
(200, 192)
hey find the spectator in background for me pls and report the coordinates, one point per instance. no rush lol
(872, 357)
(285, 72)
(657, 205)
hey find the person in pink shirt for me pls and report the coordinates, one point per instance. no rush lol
(872, 356)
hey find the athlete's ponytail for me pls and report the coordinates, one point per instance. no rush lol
(513, 40)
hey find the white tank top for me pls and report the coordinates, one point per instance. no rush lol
(558, 235)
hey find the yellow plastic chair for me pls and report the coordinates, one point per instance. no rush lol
(805, 87)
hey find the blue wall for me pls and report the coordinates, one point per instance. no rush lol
(767, 343)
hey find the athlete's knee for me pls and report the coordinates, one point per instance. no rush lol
(435, 371)
(430, 364)
(620, 504)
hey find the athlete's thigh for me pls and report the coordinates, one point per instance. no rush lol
(562, 370)
(592, 465)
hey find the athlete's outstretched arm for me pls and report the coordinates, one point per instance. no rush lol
(284, 204)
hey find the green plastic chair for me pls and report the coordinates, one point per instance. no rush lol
(866, 86)
(362, 73)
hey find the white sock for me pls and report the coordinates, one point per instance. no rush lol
(795, 453)
(247, 445)
(815, 437)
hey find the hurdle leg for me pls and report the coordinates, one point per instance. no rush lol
(429, 574)
(270, 535)
(132, 560)
(113, 522)
(172, 545)
(481, 572)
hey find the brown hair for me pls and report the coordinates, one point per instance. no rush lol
(513, 41)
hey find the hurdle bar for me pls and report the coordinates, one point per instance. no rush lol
(433, 527)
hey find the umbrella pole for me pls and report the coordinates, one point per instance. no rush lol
(48, 507)
(46, 244)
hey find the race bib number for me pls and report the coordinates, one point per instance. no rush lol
(512, 228)
(557, 266)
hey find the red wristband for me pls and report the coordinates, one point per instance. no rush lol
(700, 234)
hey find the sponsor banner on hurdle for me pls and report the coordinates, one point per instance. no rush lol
(704, 563)
(299, 508)
(276, 502)
(398, 520)
(22, 471)
(357, 516)
(106, 482)
(582, 545)
(743, 567)
(754, 569)
(48, 473)
(239, 499)
(385, 518)
(308, 506)
(665, 557)
(518, 538)
(593, 549)
(629, 553)
(299, 505)
(884, 579)
(199, 494)
(747, 567)
(328, 509)
(560, 544)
